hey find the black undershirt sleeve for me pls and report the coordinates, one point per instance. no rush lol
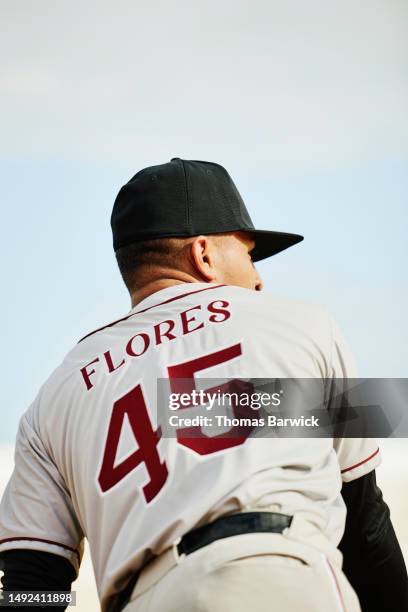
(34, 570)
(372, 557)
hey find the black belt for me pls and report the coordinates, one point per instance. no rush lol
(223, 527)
(232, 525)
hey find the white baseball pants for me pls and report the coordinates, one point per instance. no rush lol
(296, 571)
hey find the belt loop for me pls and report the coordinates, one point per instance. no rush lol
(177, 557)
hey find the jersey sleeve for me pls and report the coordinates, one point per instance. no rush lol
(356, 456)
(36, 510)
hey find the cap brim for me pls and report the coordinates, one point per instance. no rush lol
(268, 243)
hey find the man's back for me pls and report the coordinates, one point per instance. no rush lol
(132, 492)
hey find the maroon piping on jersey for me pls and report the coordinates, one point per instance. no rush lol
(172, 299)
(336, 582)
(42, 540)
(361, 462)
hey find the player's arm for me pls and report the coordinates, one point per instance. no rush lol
(372, 557)
(35, 570)
(40, 537)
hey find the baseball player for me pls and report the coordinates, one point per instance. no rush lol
(195, 523)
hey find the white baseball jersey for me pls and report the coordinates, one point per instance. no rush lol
(91, 462)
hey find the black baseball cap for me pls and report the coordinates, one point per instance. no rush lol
(187, 198)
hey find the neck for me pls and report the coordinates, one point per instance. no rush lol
(161, 283)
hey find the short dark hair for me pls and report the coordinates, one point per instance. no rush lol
(140, 256)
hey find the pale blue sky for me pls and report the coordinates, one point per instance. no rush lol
(305, 107)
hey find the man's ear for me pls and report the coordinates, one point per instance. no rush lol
(202, 258)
